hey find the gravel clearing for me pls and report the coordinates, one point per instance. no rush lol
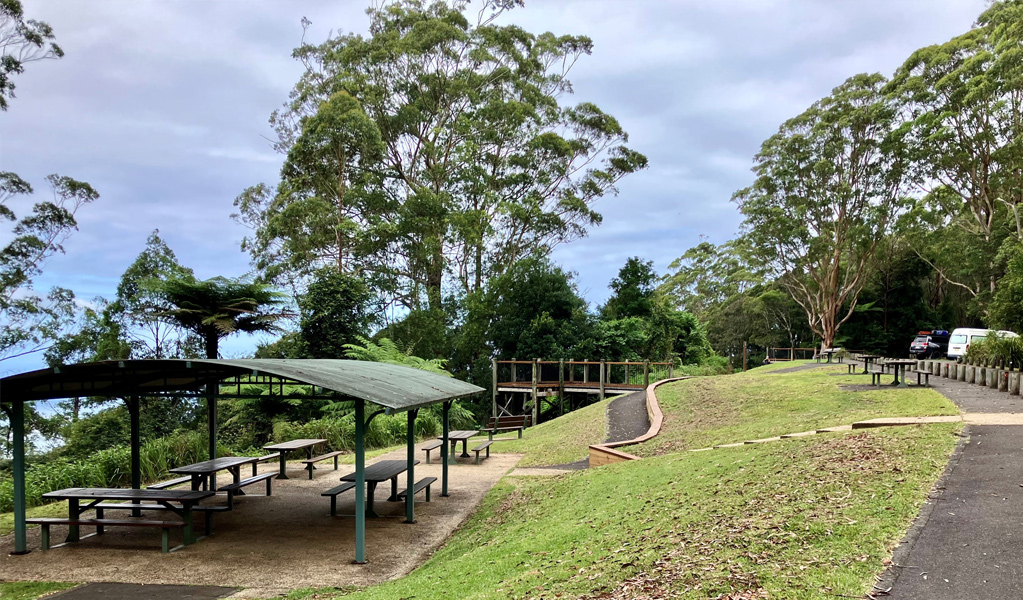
(273, 544)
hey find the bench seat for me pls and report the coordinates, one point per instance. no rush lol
(925, 374)
(333, 493)
(422, 484)
(233, 488)
(309, 461)
(262, 459)
(431, 446)
(481, 447)
(170, 483)
(99, 524)
(875, 377)
(507, 423)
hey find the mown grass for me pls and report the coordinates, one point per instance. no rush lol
(798, 519)
(58, 509)
(30, 590)
(706, 411)
(562, 440)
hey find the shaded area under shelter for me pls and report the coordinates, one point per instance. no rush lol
(378, 387)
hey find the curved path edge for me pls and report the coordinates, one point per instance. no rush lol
(606, 453)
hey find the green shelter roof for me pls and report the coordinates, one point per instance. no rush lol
(391, 386)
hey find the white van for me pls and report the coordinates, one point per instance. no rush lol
(964, 336)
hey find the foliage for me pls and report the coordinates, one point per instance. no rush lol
(536, 312)
(334, 313)
(383, 430)
(477, 165)
(217, 307)
(386, 351)
(828, 187)
(28, 321)
(633, 291)
(706, 276)
(1007, 305)
(31, 590)
(21, 41)
(996, 348)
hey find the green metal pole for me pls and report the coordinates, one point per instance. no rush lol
(211, 410)
(410, 480)
(136, 458)
(18, 434)
(444, 450)
(360, 482)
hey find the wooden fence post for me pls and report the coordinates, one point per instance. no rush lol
(602, 372)
(646, 374)
(561, 386)
(493, 396)
(536, 403)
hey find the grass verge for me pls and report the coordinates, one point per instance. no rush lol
(562, 440)
(706, 411)
(30, 590)
(798, 519)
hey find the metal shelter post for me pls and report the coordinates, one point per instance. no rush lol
(410, 497)
(444, 450)
(211, 415)
(136, 458)
(18, 435)
(360, 481)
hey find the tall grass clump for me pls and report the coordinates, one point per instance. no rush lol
(108, 468)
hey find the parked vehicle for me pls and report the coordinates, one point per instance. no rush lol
(930, 344)
(962, 337)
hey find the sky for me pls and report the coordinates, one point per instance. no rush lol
(163, 107)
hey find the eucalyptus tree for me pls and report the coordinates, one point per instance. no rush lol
(481, 164)
(706, 276)
(963, 107)
(21, 41)
(29, 321)
(828, 187)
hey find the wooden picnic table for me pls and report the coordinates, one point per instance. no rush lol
(868, 359)
(168, 498)
(202, 471)
(285, 447)
(900, 364)
(376, 473)
(460, 435)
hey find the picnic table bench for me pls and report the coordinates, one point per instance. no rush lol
(284, 447)
(236, 488)
(481, 447)
(507, 423)
(422, 484)
(334, 492)
(162, 485)
(315, 459)
(429, 446)
(99, 524)
(926, 376)
(180, 502)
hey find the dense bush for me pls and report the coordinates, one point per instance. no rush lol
(1007, 350)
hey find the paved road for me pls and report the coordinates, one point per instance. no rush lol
(968, 542)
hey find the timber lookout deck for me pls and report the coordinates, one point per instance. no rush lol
(527, 385)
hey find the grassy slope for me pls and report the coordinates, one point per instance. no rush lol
(694, 525)
(705, 411)
(563, 440)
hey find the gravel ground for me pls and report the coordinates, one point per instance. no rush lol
(273, 544)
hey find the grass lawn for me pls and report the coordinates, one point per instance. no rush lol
(30, 590)
(563, 440)
(705, 411)
(798, 519)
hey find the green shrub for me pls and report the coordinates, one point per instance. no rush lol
(1007, 350)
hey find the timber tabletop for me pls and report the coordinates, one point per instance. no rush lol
(129, 494)
(212, 466)
(460, 434)
(382, 470)
(294, 444)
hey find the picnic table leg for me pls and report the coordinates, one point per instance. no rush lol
(902, 382)
(236, 472)
(73, 514)
(371, 488)
(452, 453)
(309, 456)
(281, 460)
(866, 366)
(465, 448)
(186, 514)
(394, 490)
